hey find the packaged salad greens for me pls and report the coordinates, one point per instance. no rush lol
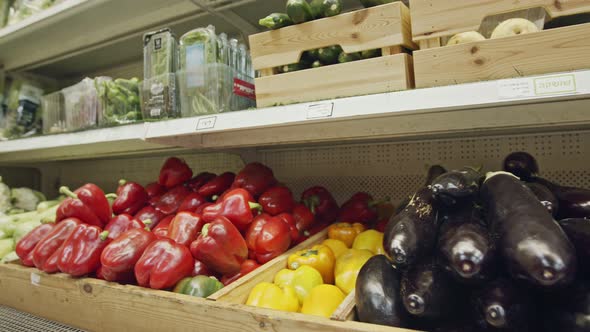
(21, 9)
(119, 101)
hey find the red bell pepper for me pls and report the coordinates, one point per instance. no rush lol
(80, 254)
(155, 189)
(199, 180)
(360, 208)
(267, 238)
(131, 197)
(381, 224)
(321, 203)
(248, 266)
(25, 247)
(191, 202)
(171, 200)
(122, 223)
(175, 171)
(161, 230)
(201, 269)
(120, 256)
(202, 207)
(122, 278)
(217, 185)
(185, 227)
(304, 219)
(151, 214)
(288, 219)
(53, 241)
(256, 178)
(163, 263)
(236, 206)
(277, 200)
(220, 246)
(88, 203)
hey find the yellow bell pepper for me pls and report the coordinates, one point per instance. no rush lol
(303, 280)
(338, 247)
(371, 240)
(271, 296)
(320, 257)
(345, 232)
(322, 301)
(348, 266)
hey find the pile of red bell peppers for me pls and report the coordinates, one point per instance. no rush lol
(183, 225)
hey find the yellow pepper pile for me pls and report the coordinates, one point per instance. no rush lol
(317, 279)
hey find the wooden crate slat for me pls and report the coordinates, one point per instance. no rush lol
(376, 27)
(441, 18)
(377, 75)
(97, 305)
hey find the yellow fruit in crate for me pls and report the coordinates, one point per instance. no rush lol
(466, 37)
(514, 27)
(322, 300)
(338, 247)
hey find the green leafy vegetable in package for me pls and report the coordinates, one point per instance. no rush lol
(26, 198)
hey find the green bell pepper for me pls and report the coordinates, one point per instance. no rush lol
(199, 286)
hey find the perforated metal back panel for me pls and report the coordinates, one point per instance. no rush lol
(392, 170)
(12, 320)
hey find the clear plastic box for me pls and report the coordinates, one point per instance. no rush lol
(81, 105)
(160, 97)
(54, 114)
(214, 88)
(119, 101)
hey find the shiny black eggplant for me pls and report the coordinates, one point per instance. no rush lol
(411, 234)
(545, 196)
(466, 250)
(578, 230)
(377, 293)
(573, 202)
(505, 306)
(457, 186)
(428, 292)
(433, 172)
(569, 309)
(521, 164)
(531, 243)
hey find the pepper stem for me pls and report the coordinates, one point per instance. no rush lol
(205, 230)
(147, 222)
(375, 203)
(255, 206)
(122, 182)
(66, 191)
(111, 195)
(103, 236)
(310, 253)
(214, 198)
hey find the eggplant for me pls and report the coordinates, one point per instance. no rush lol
(457, 186)
(428, 292)
(569, 309)
(578, 231)
(545, 196)
(377, 293)
(465, 249)
(521, 164)
(532, 244)
(503, 305)
(433, 172)
(573, 202)
(411, 234)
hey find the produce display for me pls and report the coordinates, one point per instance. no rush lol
(21, 9)
(475, 252)
(506, 28)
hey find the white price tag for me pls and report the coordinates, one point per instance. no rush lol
(555, 85)
(317, 111)
(35, 279)
(206, 123)
(515, 88)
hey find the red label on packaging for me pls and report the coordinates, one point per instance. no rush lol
(244, 89)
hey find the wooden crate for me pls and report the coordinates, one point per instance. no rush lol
(386, 27)
(548, 51)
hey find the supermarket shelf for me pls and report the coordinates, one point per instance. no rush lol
(462, 110)
(12, 320)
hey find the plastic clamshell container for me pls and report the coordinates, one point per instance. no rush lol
(214, 88)
(160, 54)
(53, 113)
(159, 97)
(81, 105)
(119, 101)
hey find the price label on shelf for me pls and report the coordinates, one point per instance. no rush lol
(318, 111)
(206, 123)
(35, 279)
(537, 87)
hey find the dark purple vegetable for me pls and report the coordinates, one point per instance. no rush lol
(504, 306)
(569, 309)
(377, 293)
(465, 249)
(532, 244)
(521, 164)
(433, 172)
(428, 292)
(578, 230)
(545, 196)
(573, 202)
(411, 234)
(457, 186)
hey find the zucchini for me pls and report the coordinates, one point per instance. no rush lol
(372, 3)
(349, 57)
(299, 11)
(371, 53)
(276, 21)
(316, 64)
(293, 67)
(325, 8)
(310, 56)
(329, 55)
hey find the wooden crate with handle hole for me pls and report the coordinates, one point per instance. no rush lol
(385, 27)
(548, 51)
